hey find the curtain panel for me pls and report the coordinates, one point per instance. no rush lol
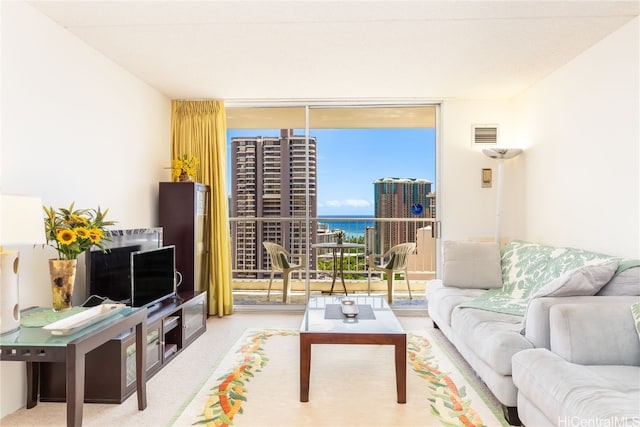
(198, 128)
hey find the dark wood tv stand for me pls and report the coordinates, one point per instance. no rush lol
(110, 368)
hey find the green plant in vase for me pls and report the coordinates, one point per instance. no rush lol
(71, 232)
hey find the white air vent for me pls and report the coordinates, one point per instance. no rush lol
(482, 135)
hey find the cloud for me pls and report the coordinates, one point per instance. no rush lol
(352, 203)
(357, 203)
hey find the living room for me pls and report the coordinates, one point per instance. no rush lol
(77, 126)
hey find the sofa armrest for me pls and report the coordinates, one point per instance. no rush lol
(537, 321)
(597, 333)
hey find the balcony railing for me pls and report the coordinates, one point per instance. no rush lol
(251, 267)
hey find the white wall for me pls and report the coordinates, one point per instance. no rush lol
(581, 126)
(578, 181)
(75, 127)
(468, 210)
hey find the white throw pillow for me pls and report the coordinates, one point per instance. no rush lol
(467, 264)
(582, 281)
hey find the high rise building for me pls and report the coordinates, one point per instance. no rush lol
(269, 179)
(400, 198)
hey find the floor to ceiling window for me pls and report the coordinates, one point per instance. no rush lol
(300, 176)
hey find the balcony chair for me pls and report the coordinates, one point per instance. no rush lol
(397, 259)
(280, 263)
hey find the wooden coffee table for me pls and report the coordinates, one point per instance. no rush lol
(383, 328)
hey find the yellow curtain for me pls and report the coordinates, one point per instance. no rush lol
(198, 128)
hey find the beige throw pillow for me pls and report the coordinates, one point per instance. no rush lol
(473, 265)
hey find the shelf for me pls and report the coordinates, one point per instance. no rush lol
(170, 350)
(170, 322)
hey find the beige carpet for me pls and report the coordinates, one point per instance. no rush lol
(175, 386)
(257, 384)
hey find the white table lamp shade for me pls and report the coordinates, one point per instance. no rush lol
(21, 223)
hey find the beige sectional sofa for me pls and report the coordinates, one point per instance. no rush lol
(492, 304)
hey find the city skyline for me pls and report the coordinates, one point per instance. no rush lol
(350, 160)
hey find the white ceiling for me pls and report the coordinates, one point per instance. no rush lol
(325, 50)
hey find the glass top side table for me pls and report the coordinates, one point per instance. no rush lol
(35, 345)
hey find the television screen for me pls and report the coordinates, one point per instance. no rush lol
(153, 275)
(109, 273)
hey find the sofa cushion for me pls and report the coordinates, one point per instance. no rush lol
(598, 395)
(471, 265)
(441, 300)
(493, 337)
(594, 334)
(538, 314)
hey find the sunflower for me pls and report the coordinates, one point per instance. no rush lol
(95, 235)
(71, 232)
(184, 164)
(66, 236)
(81, 232)
(77, 219)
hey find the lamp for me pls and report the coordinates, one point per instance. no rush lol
(21, 223)
(501, 154)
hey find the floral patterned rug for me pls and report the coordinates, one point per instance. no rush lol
(257, 384)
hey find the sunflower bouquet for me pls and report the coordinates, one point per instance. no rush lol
(184, 166)
(70, 232)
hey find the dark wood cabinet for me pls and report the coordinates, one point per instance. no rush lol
(184, 218)
(110, 369)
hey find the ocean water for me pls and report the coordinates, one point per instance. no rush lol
(352, 225)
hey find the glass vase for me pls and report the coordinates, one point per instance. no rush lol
(63, 277)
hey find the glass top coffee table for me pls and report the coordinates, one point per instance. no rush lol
(375, 323)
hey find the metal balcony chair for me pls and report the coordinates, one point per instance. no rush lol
(396, 260)
(280, 263)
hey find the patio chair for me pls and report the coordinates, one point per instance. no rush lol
(280, 263)
(396, 260)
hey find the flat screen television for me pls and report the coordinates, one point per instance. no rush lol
(153, 276)
(108, 274)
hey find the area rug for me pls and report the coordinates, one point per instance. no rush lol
(257, 384)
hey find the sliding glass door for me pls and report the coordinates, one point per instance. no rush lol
(303, 175)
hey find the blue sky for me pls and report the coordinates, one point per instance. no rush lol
(349, 160)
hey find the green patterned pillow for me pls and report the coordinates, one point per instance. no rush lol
(635, 312)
